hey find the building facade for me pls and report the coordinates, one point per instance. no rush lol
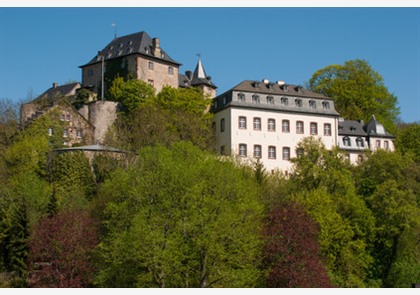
(264, 120)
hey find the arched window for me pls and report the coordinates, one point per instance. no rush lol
(360, 142)
(241, 97)
(284, 101)
(346, 141)
(256, 98)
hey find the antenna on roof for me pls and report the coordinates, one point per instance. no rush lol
(115, 30)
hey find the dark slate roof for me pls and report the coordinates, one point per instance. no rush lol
(138, 43)
(59, 91)
(200, 77)
(183, 81)
(351, 128)
(276, 88)
(376, 129)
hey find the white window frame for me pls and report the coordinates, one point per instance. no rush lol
(313, 128)
(272, 152)
(327, 129)
(300, 129)
(242, 150)
(286, 153)
(285, 126)
(271, 124)
(242, 122)
(257, 151)
(257, 123)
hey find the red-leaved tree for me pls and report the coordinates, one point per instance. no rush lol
(291, 251)
(60, 248)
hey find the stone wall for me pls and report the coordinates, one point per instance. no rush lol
(102, 115)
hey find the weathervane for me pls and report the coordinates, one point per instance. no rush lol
(198, 55)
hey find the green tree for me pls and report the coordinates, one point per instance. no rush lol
(131, 93)
(358, 92)
(180, 218)
(408, 139)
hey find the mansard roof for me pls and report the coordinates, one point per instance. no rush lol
(200, 77)
(374, 128)
(298, 99)
(277, 88)
(351, 128)
(138, 43)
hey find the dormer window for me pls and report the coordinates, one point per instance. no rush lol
(224, 100)
(284, 101)
(121, 45)
(298, 102)
(256, 98)
(326, 105)
(270, 100)
(346, 141)
(241, 97)
(146, 50)
(256, 84)
(312, 104)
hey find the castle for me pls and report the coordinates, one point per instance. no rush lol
(255, 119)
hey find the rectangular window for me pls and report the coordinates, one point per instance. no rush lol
(67, 117)
(242, 122)
(242, 150)
(66, 133)
(286, 153)
(257, 151)
(50, 131)
(222, 125)
(270, 100)
(312, 104)
(63, 116)
(314, 128)
(257, 123)
(223, 150)
(271, 152)
(285, 126)
(327, 129)
(299, 127)
(79, 133)
(170, 70)
(271, 125)
(346, 141)
(386, 145)
(378, 143)
(151, 66)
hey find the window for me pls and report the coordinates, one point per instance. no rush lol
(271, 152)
(151, 82)
(224, 100)
(359, 142)
(242, 122)
(299, 152)
(270, 100)
(241, 97)
(66, 133)
(378, 143)
(314, 128)
(63, 116)
(327, 129)
(299, 127)
(256, 98)
(66, 143)
(151, 66)
(312, 104)
(286, 153)
(298, 102)
(285, 126)
(90, 72)
(271, 126)
(79, 133)
(386, 145)
(222, 125)
(223, 150)
(346, 141)
(257, 151)
(284, 101)
(213, 126)
(170, 70)
(347, 157)
(242, 150)
(50, 131)
(360, 158)
(257, 123)
(67, 117)
(326, 105)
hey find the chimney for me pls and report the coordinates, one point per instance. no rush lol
(156, 47)
(55, 85)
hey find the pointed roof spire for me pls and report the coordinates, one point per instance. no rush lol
(200, 77)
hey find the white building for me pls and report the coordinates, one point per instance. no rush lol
(266, 121)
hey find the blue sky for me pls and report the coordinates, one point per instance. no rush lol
(39, 46)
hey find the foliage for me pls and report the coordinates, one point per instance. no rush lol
(292, 251)
(408, 140)
(60, 249)
(173, 115)
(9, 122)
(180, 218)
(72, 177)
(131, 93)
(82, 98)
(358, 92)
